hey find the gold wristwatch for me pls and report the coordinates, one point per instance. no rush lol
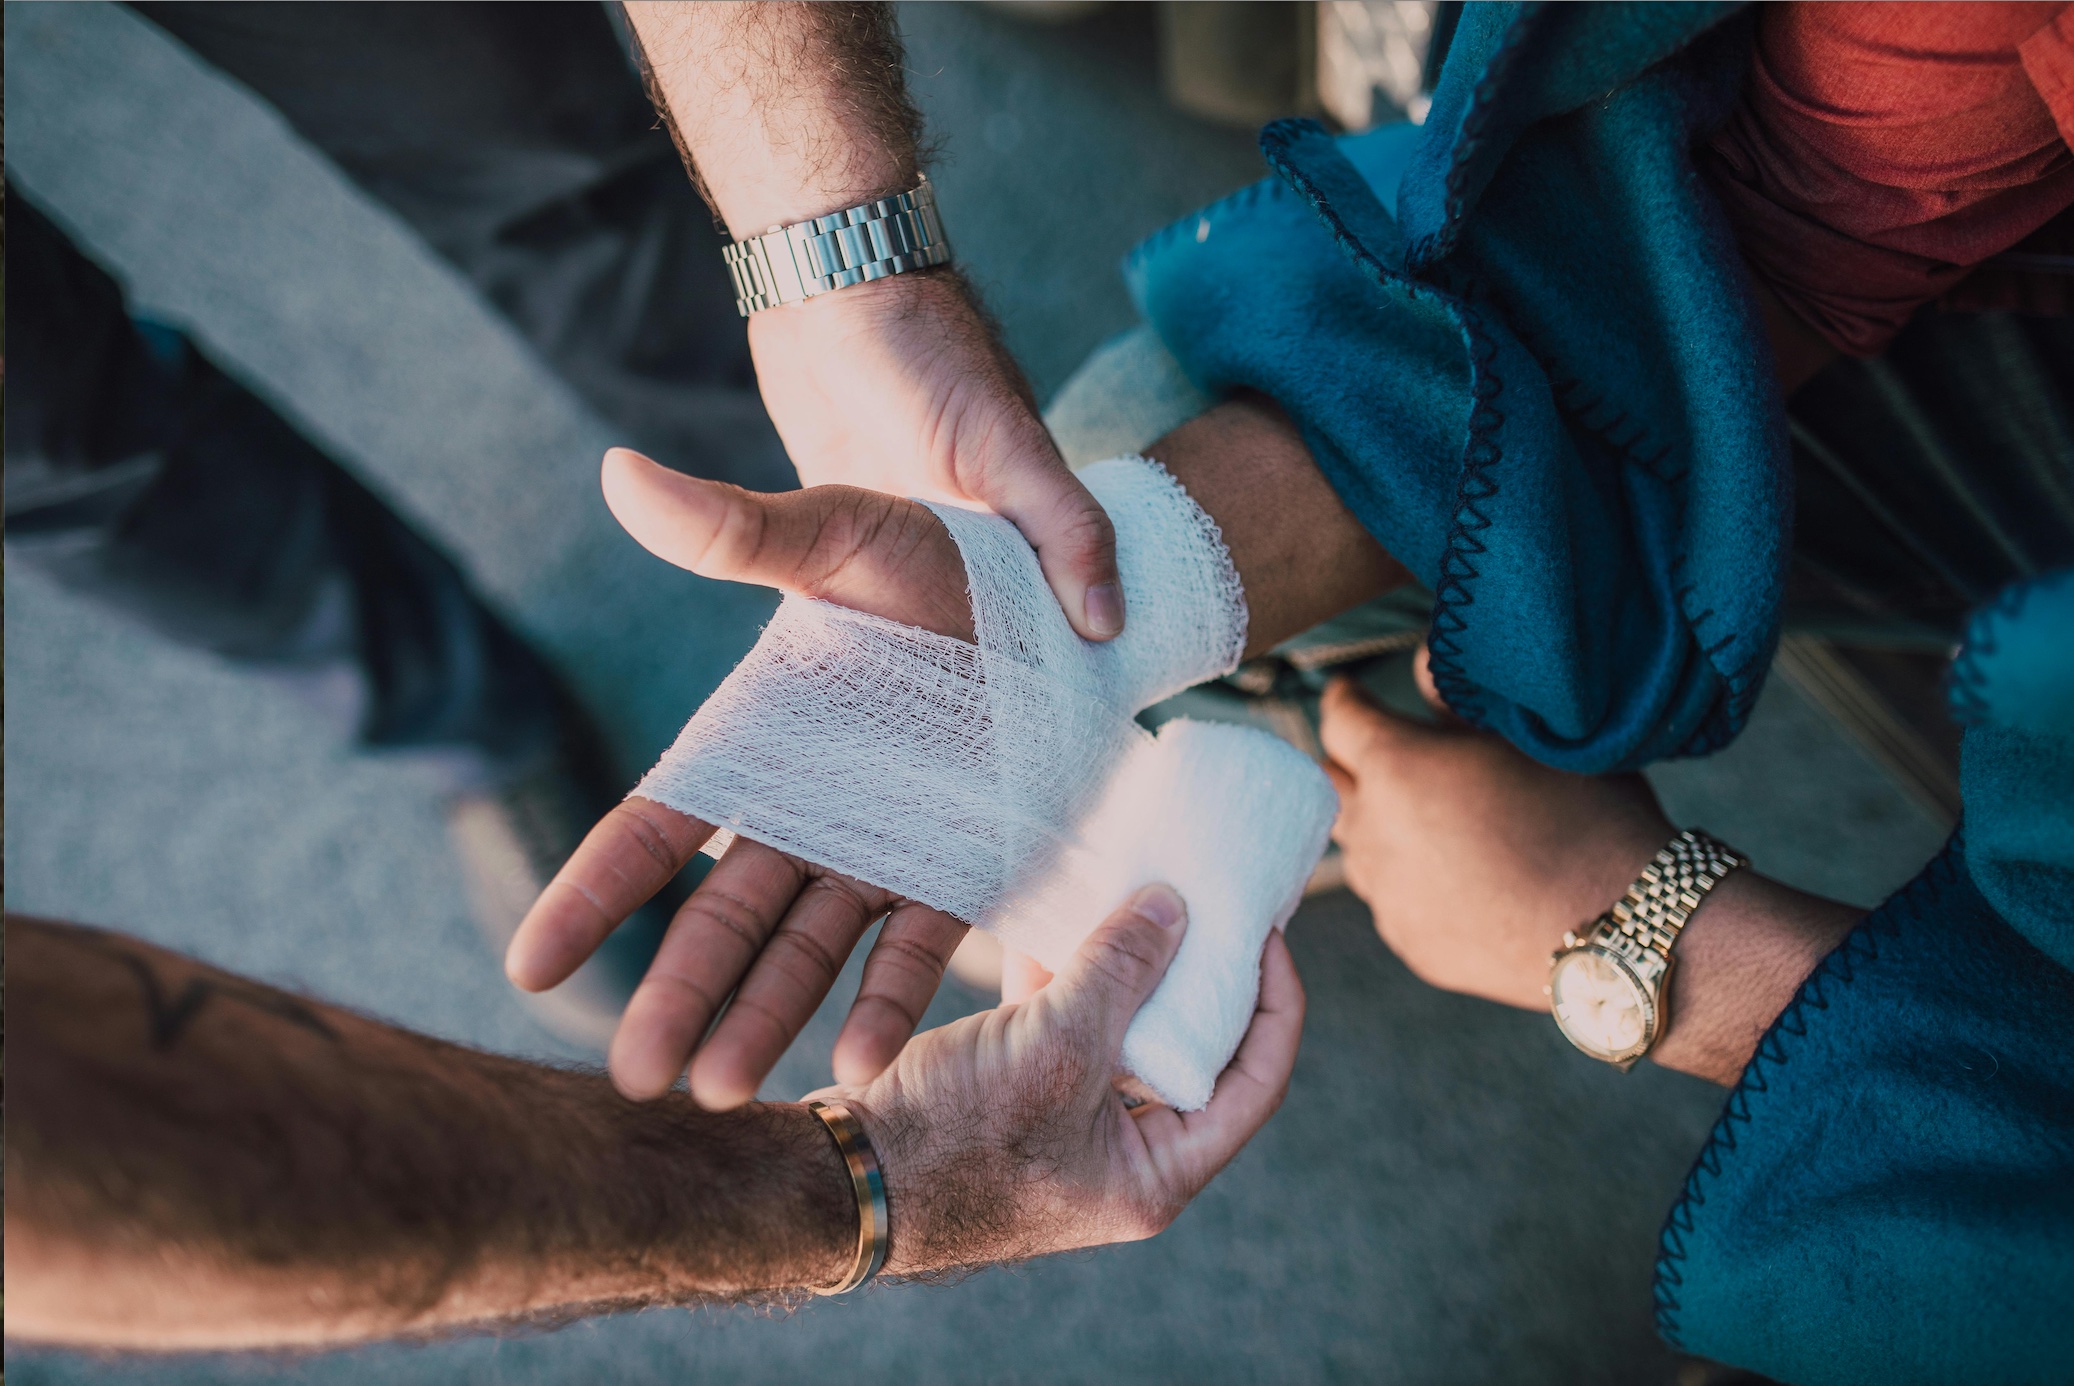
(1607, 988)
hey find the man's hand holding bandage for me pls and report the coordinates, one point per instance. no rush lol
(773, 929)
(1005, 782)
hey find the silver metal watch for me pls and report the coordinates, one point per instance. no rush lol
(1607, 988)
(791, 264)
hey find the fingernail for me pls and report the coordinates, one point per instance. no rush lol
(1161, 905)
(1104, 608)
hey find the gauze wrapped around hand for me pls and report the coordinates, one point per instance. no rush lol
(1007, 783)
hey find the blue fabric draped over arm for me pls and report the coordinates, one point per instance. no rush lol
(1540, 382)
(1889, 1195)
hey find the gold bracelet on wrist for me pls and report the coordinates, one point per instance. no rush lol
(873, 1222)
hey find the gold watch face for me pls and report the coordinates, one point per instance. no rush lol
(1601, 1006)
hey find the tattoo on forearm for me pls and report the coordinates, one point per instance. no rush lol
(385, 1168)
(169, 1017)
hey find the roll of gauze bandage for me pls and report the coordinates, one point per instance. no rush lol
(1006, 783)
(1231, 817)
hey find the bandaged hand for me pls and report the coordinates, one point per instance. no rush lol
(972, 1114)
(1005, 784)
(1007, 781)
(764, 926)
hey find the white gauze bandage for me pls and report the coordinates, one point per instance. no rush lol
(1007, 783)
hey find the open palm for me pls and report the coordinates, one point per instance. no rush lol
(764, 927)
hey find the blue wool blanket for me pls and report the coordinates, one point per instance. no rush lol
(1521, 345)
(1540, 381)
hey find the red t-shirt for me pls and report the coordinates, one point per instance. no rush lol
(1882, 152)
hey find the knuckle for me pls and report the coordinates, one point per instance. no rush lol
(747, 1009)
(689, 995)
(1081, 528)
(905, 956)
(722, 911)
(801, 958)
(904, 1015)
(847, 893)
(589, 903)
(1369, 735)
(739, 539)
(1343, 741)
(1122, 957)
(647, 833)
(847, 526)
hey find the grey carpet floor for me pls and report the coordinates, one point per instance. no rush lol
(1449, 1195)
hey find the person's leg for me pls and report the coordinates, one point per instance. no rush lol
(516, 140)
(142, 476)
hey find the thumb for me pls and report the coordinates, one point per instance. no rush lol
(1075, 543)
(862, 549)
(1118, 965)
(714, 529)
(1353, 727)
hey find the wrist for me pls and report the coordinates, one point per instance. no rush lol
(901, 1145)
(935, 290)
(1738, 963)
(823, 1214)
(1302, 558)
(742, 1202)
(950, 1205)
(1600, 853)
(759, 188)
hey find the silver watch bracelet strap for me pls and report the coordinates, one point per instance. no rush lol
(791, 264)
(1670, 889)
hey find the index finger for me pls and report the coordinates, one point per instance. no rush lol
(632, 853)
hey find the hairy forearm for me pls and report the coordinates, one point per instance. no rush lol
(783, 111)
(1737, 966)
(197, 1160)
(1299, 551)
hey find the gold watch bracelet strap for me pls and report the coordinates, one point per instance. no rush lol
(1655, 908)
(874, 1225)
